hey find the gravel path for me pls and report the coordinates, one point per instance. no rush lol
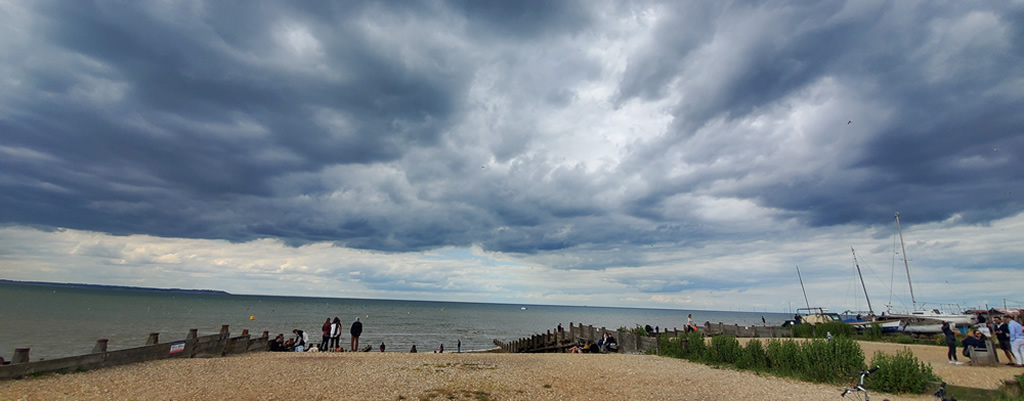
(419, 377)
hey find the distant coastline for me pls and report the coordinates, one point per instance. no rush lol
(113, 287)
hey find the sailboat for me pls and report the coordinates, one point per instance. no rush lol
(888, 324)
(925, 321)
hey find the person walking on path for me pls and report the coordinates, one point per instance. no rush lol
(951, 343)
(335, 334)
(1002, 331)
(1017, 341)
(355, 331)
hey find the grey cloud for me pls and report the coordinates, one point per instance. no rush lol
(197, 122)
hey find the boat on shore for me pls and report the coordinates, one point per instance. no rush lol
(865, 321)
(927, 321)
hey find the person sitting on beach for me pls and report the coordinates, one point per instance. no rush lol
(289, 345)
(609, 343)
(277, 344)
(382, 346)
(977, 340)
(300, 340)
(413, 350)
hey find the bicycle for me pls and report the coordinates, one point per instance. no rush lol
(859, 387)
(940, 394)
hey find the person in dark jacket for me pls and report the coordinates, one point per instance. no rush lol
(977, 341)
(1002, 331)
(355, 331)
(951, 343)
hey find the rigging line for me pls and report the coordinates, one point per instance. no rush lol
(892, 270)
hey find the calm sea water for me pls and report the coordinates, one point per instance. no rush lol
(57, 321)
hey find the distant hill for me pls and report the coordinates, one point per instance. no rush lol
(113, 287)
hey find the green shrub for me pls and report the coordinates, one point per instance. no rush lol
(900, 373)
(905, 339)
(695, 346)
(674, 347)
(831, 361)
(784, 357)
(803, 330)
(754, 357)
(724, 349)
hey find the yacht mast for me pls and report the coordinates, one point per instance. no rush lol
(905, 264)
(802, 287)
(870, 310)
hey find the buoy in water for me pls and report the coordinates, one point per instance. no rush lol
(252, 317)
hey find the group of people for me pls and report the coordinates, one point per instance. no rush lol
(1008, 332)
(330, 341)
(605, 344)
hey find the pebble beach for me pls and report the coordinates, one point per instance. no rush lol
(450, 376)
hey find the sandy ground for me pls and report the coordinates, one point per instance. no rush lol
(477, 376)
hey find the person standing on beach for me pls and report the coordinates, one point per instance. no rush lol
(335, 334)
(355, 331)
(326, 331)
(950, 343)
(458, 347)
(1017, 341)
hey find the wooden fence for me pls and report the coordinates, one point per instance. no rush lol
(192, 346)
(562, 341)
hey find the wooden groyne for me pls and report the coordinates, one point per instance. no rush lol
(628, 342)
(192, 346)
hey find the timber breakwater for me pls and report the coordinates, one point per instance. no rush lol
(193, 346)
(627, 341)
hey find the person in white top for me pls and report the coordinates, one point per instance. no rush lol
(1017, 340)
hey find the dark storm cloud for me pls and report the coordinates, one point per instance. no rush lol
(409, 127)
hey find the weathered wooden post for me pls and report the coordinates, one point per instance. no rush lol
(266, 335)
(100, 347)
(153, 339)
(224, 330)
(192, 334)
(20, 355)
(245, 332)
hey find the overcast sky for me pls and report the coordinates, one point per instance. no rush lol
(662, 154)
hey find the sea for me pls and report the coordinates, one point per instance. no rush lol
(58, 320)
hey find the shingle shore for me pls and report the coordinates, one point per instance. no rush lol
(423, 376)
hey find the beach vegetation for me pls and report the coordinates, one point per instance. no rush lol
(833, 361)
(673, 347)
(823, 330)
(754, 357)
(636, 330)
(724, 349)
(900, 373)
(695, 346)
(874, 333)
(784, 357)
